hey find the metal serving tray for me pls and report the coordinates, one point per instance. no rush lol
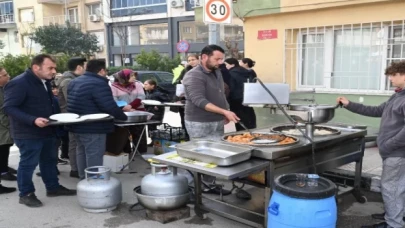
(214, 152)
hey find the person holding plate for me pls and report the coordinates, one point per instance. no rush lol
(28, 101)
(91, 94)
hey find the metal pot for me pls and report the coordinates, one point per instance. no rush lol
(161, 202)
(164, 182)
(136, 117)
(315, 113)
(99, 192)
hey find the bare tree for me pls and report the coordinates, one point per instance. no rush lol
(119, 28)
(26, 29)
(232, 48)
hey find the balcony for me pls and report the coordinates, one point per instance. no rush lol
(191, 4)
(61, 20)
(7, 21)
(56, 1)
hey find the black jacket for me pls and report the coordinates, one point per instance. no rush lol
(239, 76)
(91, 94)
(158, 94)
(26, 99)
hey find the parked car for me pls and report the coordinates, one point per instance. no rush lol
(163, 79)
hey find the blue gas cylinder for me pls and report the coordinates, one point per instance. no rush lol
(295, 205)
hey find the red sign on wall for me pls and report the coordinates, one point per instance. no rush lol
(267, 34)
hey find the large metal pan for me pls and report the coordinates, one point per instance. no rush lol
(136, 117)
(276, 144)
(282, 128)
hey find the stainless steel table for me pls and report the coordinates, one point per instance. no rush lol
(221, 207)
(330, 152)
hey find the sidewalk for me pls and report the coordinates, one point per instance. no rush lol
(371, 171)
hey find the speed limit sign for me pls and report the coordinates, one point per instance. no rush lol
(218, 11)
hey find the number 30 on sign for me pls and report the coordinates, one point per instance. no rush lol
(218, 11)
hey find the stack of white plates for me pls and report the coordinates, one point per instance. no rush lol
(95, 116)
(73, 118)
(151, 102)
(66, 118)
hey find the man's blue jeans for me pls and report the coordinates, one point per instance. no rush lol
(32, 153)
(90, 151)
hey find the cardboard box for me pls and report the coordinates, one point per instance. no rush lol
(115, 162)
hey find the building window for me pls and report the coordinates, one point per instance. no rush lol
(191, 4)
(346, 58)
(193, 32)
(16, 38)
(120, 60)
(187, 30)
(120, 36)
(94, 9)
(27, 15)
(73, 14)
(232, 32)
(100, 37)
(134, 35)
(154, 34)
(6, 12)
(120, 8)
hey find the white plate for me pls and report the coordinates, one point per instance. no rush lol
(71, 120)
(151, 102)
(94, 116)
(62, 117)
(173, 104)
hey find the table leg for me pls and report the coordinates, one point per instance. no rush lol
(198, 196)
(135, 150)
(357, 178)
(268, 190)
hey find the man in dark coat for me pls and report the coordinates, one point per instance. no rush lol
(28, 101)
(91, 94)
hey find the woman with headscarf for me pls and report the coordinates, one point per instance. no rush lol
(126, 88)
(239, 76)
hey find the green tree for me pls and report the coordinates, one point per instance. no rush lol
(66, 39)
(154, 61)
(149, 60)
(15, 65)
(2, 45)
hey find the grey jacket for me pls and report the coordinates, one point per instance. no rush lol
(5, 137)
(202, 87)
(391, 137)
(62, 84)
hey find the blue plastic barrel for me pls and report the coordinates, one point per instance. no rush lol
(292, 206)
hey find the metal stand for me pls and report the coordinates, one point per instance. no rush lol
(309, 131)
(135, 150)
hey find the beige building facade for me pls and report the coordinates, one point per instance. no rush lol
(84, 14)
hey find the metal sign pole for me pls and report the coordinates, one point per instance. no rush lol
(214, 34)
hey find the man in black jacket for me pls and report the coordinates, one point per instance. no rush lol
(91, 94)
(28, 101)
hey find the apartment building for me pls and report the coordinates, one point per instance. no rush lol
(8, 29)
(84, 14)
(133, 25)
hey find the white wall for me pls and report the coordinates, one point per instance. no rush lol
(11, 42)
